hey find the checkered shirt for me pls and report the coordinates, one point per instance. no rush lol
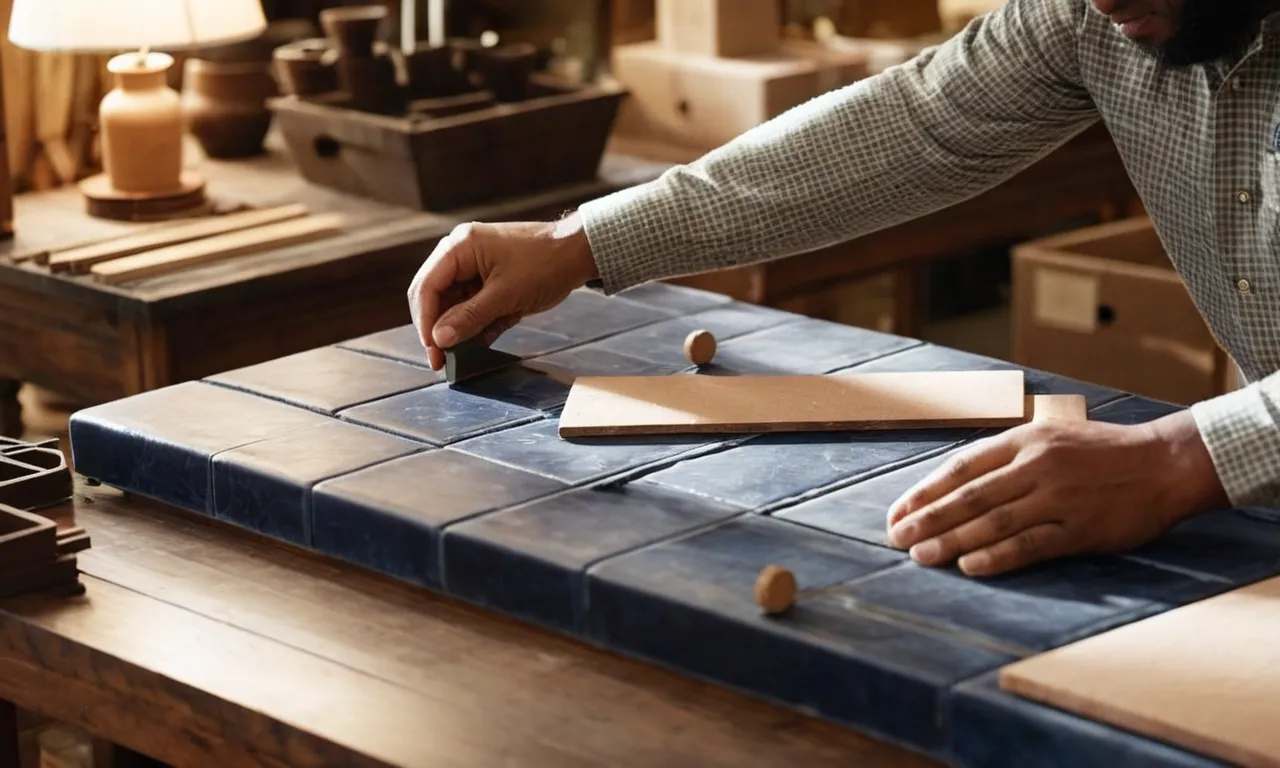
(1199, 143)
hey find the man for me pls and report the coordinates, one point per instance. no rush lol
(1190, 90)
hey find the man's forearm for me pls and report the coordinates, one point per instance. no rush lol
(1241, 431)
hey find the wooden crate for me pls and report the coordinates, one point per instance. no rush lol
(555, 137)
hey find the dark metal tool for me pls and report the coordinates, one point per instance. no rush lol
(473, 358)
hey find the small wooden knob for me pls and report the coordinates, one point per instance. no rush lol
(700, 347)
(775, 589)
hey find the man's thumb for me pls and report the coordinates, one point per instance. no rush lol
(469, 318)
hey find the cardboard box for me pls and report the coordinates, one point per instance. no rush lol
(1104, 305)
(719, 27)
(704, 102)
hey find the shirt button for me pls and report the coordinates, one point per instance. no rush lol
(1244, 196)
(1243, 285)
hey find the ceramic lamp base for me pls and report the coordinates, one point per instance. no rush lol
(105, 201)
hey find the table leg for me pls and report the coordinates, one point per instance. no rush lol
(9, 747)
(10, 408)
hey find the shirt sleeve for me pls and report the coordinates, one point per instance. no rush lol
(1241, 430)
(955, 121)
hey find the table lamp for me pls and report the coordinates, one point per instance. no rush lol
(140, 120)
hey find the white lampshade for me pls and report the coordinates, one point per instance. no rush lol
(108, 26)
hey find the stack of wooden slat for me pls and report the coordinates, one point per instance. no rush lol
(168, 248)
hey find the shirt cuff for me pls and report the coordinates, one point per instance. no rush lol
(1241, 431)
(629, 231)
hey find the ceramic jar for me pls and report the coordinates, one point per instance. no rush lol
(142, 111)
(225, 105)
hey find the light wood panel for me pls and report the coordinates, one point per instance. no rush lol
(1205, 677)
(637, 405)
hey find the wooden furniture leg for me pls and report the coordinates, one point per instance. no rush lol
(10, 408)
(9, 747)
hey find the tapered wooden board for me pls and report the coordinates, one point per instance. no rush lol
(165, 260)
(81, 258)
(695, 404)
(1205, 677)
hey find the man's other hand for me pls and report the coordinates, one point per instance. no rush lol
(1051, 489)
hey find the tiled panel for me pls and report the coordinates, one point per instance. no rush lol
(1133, 410)
(584, 361)
(807, 345)
(1228, 544)
(264, 486)
(389, 517)
(518, 386)
(994, 729)
(689, 604)
(327, 378)
(929, 357)
(861, 510)
(439, 415)
(159, 443)
(586, 315)
(528, 561)
(783, 466)
(1035, 608)
(538, 448)
(676, 298)
(664, 342)
(403, 344)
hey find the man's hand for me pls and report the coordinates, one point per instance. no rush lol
(1053, 489)
(483, 278)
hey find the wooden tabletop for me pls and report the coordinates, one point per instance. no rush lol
(203, 646)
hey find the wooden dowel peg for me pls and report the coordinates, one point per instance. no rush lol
(775, 589)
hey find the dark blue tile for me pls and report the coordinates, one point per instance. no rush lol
(403, 344)
(538, 448)
(159, 443)
(389, 517)
(588, 361)
(776, 467)
(264, 486)
(1037, 608)
(1132, 409)
(327, 379)
(994, 729)
(517, 386)
(440, 415)
(689, 604)
(664, 342)
(861, 510)
(586, 315)
(528, 561)
(807, 345)
(677, 298)
(1240, 546)
(930, 357)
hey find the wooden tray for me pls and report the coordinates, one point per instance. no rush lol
(33, 475)
(555, 137)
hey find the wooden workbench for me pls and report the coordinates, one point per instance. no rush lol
(202, 645)
(92, 342)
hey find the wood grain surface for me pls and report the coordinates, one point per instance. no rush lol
(638, 405)
(1167, 677)
(200, 645)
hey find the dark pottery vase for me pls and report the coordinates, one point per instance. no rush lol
(370, 82)
(224, 105)
(431, 74)
(306, 67)
(504, 69)
(353, 28)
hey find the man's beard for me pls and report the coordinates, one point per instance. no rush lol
(1209, 30)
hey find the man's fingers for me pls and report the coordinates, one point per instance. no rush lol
(451, 261)
(1036, 544)
(952, 525)
(966, 466)
(472, 316)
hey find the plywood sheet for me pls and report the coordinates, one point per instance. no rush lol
(1205, 677)
(638, 405)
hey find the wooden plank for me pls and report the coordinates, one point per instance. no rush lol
(1062, 407)
(689, 404)
(1205, 677)
(165, 260)
(80, 259)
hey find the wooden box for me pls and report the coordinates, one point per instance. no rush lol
(703, 102)
(1103, 304)
(555, 137)
(719, 27)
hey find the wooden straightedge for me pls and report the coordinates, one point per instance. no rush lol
(697, 404)
(1205, 677)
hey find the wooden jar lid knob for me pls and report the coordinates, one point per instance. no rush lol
(775, 589)
(700, 347)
